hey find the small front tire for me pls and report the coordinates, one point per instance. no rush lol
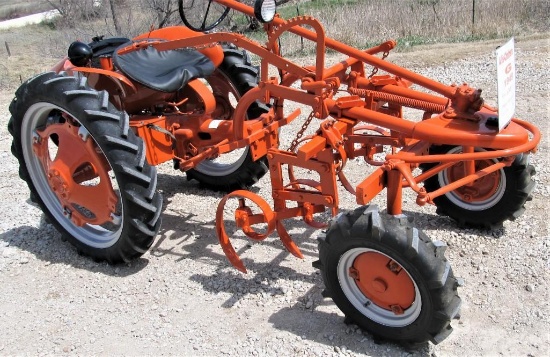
(388, 277)
(491, 200)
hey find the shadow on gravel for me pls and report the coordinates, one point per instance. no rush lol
(46, 245)
(185, 236)
(432, 223)
(333, 330)
(177, 183)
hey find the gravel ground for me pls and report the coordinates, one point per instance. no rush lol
(183, 298)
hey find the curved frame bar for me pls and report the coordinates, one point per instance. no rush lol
(319, 39)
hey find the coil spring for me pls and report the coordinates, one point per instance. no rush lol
(397, 99)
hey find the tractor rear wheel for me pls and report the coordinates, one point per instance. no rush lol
(236, 169)
(491, 200)
(84, 167)
(388, 277)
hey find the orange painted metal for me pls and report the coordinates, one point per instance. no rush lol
(245, 219)
(370, 187)
(158, 145)
(215, 52)
(364, 122)
(77, 160)
(383, 281)
(457, 116)
(394, 194)
(478, 190)
(478, 175)
(127, 86)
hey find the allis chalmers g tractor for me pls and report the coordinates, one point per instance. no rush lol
(89, 133)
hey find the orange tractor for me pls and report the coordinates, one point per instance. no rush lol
(89, 134)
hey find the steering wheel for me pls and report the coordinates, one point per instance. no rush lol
(190, 14)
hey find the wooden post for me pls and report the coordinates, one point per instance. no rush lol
(7, 48)
(473, 15)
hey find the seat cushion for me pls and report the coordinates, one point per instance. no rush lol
(165, 71)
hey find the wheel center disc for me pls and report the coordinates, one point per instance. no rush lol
(383, 281)
(379, 285)
(482, 189)
(77, 174)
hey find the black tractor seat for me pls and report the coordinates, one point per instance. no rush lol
(165, 71)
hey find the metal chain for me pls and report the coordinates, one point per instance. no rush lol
(375, 69)
(301, 132)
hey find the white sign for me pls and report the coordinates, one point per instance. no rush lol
(506, 76)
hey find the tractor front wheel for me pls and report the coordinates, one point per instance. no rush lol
(84, 167)
(388, 278)
(491, 200)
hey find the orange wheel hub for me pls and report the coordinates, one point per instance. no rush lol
(77, 160)
(481, 189)
(383, 281)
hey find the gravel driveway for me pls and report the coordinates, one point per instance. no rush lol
(183, 297)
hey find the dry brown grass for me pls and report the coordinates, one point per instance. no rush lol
(363, 23)
(13, 9)
(360, 23)
(34, 49)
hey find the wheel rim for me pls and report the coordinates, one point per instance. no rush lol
(379, 287)
(71, 175)
(226, 95)
(483, 194)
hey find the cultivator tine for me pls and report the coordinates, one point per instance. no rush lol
(245, 219)
(227, 247)
(288, 242)
(230, 253)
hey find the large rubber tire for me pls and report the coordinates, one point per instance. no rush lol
(237, 76)
(504, 194)
(387, 277)
(82, 164)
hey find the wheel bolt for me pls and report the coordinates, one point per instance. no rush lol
(353, 273)
(367, 304)
(396, 309)
(394, 267)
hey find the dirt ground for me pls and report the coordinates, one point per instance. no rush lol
(183, 298)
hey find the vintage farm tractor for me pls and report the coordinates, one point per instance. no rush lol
(89, 134)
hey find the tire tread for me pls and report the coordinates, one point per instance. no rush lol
(124, 151)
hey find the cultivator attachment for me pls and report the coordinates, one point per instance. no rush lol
(245, 219)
